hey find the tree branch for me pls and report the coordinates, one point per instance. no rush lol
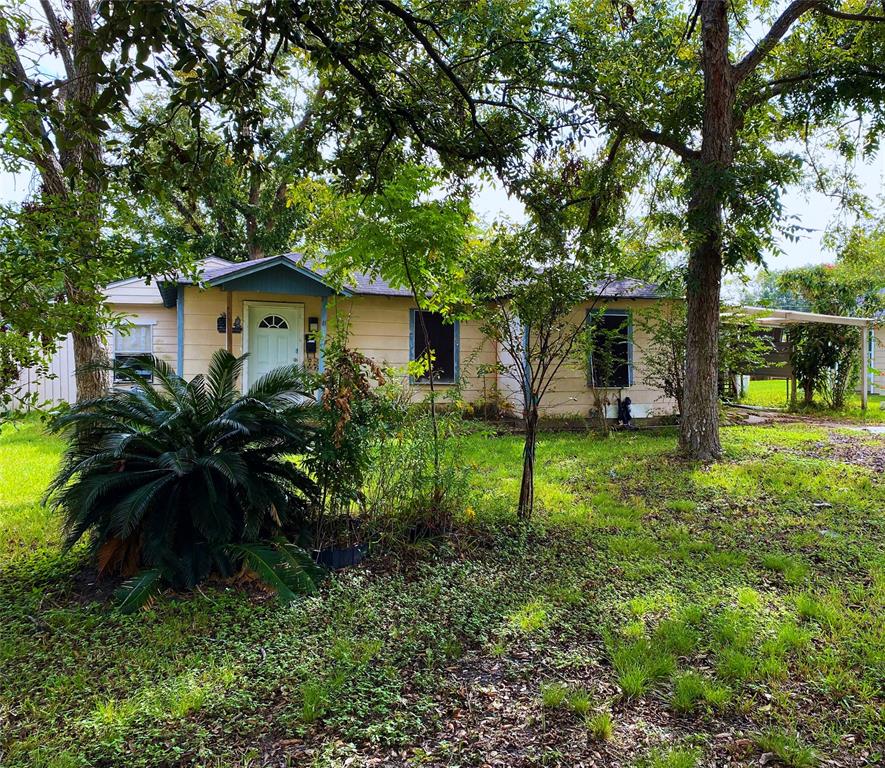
(782, 25)
(50, 167)
(832, 13)
(670, 142)
(58, 37)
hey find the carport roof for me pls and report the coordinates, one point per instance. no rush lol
(779, 318)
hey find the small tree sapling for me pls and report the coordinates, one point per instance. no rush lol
(530, 287)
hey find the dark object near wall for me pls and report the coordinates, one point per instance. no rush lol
(335, 558)
(168, 293)
(625, 417)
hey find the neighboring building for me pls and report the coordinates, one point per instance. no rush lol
(274, 308)
(877, 359)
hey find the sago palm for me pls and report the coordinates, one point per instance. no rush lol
(175, 480)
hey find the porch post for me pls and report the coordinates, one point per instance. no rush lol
(229, 327)
(321, 341)
(179, 322)
(864, 366)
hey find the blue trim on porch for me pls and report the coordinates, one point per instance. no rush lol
(321, 341)
(179, 303)
(277, 275)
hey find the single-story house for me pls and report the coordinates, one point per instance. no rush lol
(275, 308)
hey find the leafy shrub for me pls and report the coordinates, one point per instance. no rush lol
(348, 423)
(417, 482)
(178, 480)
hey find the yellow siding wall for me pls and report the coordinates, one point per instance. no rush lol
(569, 394)
(379, 327)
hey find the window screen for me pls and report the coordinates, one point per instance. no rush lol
(133, 348)
(440, 337)
(609, 349)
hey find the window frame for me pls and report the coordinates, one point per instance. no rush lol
(622, 313)
(115, 353)
(456, 352)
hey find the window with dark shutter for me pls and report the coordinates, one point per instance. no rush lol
(610, 349)
(432, 333)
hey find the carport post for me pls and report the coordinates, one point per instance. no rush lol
(864, 366)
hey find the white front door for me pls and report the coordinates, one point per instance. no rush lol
(276, 337)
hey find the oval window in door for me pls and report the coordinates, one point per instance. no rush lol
(273, 321)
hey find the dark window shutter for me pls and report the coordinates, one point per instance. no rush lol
(441, 339)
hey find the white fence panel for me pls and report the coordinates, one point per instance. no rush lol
(59, 386)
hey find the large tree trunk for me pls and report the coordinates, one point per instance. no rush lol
(90, 353)
(527, 486)
(89, 349)
(91, 362)
(699, 438)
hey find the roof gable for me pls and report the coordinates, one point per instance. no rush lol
(272, 274)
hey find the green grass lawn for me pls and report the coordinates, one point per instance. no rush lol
(657, 613)
(773, 394)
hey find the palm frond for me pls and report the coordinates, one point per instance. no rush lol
(224, 370)
(127, 514)
(138, 591)
(281, 570)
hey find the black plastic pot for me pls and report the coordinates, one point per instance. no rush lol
(336, 558)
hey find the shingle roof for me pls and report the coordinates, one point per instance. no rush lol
(628, 288)
(215, 268)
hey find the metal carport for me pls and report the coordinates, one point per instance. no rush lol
(782, 318)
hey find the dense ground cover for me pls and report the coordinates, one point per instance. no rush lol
(773, 394)
(657, 613)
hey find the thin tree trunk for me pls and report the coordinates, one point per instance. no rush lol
(527, 486)
(434, 421)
